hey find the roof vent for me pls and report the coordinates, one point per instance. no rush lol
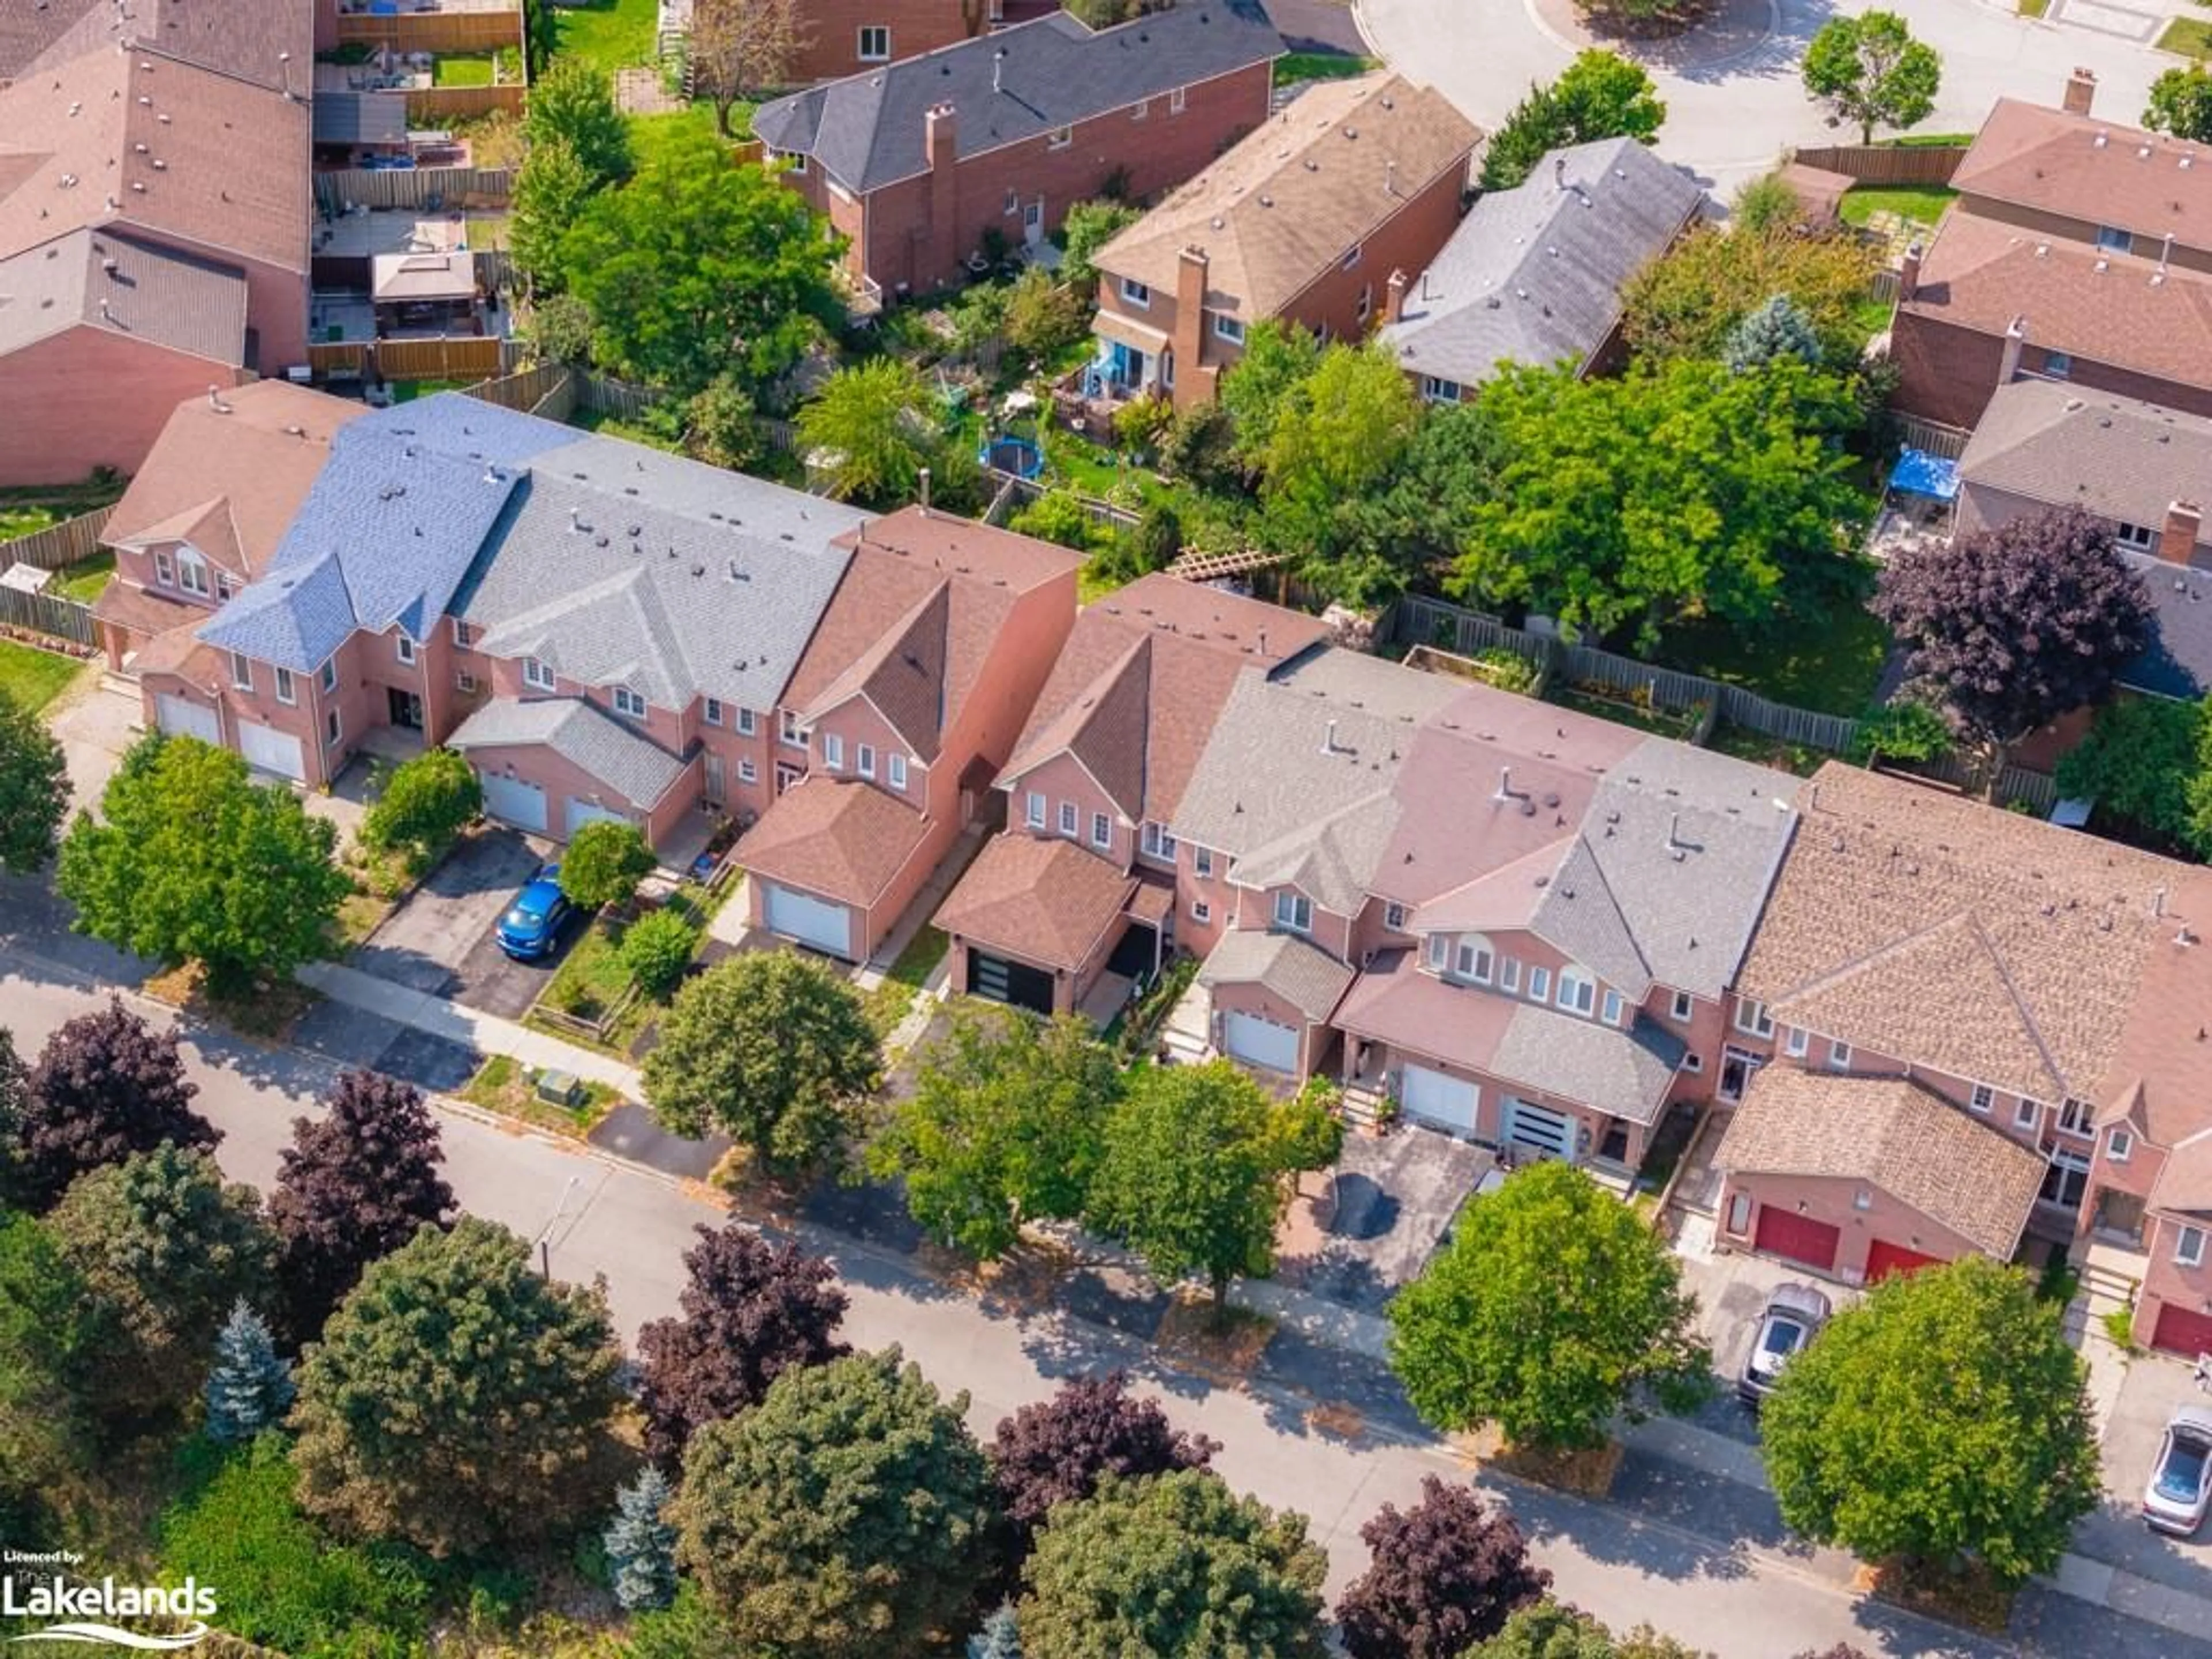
(2099, 140)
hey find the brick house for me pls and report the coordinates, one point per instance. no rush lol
(913, 162)
(164, 253)
(1303, 220)
(854, 36)
(1084, 874)
(1533, 274)
(2075, 251)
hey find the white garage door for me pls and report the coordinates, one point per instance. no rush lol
(271, 750)
(811, 920)
(1259, 1042)
(581, 812)
(181, 717)
(1439, 1099)
(513, 801)
(1534, 1130)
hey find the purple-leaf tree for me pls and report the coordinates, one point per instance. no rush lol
(1057, 1450)
(1447, 1574)
(106, 1086)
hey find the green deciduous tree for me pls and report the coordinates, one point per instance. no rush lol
(844, 1517)
(719, 427)
(656, 950)
(604, 863)
(1088, 228)
(1174, 1565)
(573, 102)
(1600, 94)
(1689, 300)
(1945, 1417)
(1043, 317)
(192, 861)
(1004, 1125)
(2144, 763)
(1553, 1308)
(551, 190)
(1623, 506)
(45, 1349)
(1334, 441)
(428, 799)
(250, 1387)
(1872, 72)
(2181, 104)
(457, 1399)
(1277, 357)
(1548, 1630)
(771, 1048)
(701, 267)
(871, 430)
(34, 789)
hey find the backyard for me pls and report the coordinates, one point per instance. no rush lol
(34, 678)
(1921, 204)
(611, 35)
(2189, 36)
(1832, 666)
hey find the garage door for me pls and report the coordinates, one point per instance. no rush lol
(1259, 1042)
(1439, 1099)
(811, 920)
(513, 801)
(272, 750)
(1884, 1258)
(2183, 1331)
(1014, 983)
(581, 812)
(1537, 1129)
(180, 717)
(1800, 1239)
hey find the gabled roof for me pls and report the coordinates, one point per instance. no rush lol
(1330, 859)
(2178, 660)
(1304, 975)
(586, 737)
(1282, 207)
(99, 280)
(246, 38)
(843, 839)
(2070, 446)
(2085, 168)
(2158, 1076)
(1010, 85)
(1891, 1132)
(1042, 898)
(1533, 274)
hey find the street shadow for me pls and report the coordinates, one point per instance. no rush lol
(1744, 41)
(631, 1131)
(1613, 1534)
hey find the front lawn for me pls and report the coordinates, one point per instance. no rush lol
(610, 34)
(510, 1089)
(888, 1003)
(1831, 667)
(1293, 66)
(2190, 37)
(34, 678)
(1922, 204)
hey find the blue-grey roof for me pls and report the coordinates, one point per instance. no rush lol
(1533, 275)
(1010, 85)
(593, 741)
(361, 118)
(2178, 662)
(1627, 1073)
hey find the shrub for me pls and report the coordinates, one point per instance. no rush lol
(425, 802)
(1058, 516)
(604, 862)
(656, 950)
(1043, 318)
(1509, 671)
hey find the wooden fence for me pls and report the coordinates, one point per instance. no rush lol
(1097, 511)
(2039, 790)
(450, 357)
(44, 613)
(433, 30)
(1417, 620)
(414, 187)
(438, 107)
(1888, 164)
(522, 390)
(620, 398)
(1914, 432)
(58, 545)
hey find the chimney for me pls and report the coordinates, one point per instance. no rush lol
(923, 482)
(1393, 297)
(2177, 540)
(941, 150)
(1188, 342)
(2081, 91)
(2015, 336)
(1908, 272)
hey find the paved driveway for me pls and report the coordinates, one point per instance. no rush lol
(440, 940)
(2153, 1385)
(1357, 1233)
(1733, 1291)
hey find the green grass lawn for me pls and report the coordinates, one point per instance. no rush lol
(1320, 66)
(650, 135)
(2189, 36)
(1928, 141)
(404, 392)
(2033, 8)
(611, 34)
(16, 522)
(888, 1003)
(85, 581)
(1922, 202)
(457, 69)
(1831, 665)
(35, 678)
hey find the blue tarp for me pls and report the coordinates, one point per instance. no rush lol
(1919, 473)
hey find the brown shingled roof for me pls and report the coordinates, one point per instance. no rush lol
(2085, 168)
(1042, 898)
(1891, 1132)
(840, 838)
(242, 37)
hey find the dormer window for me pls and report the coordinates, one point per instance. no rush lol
(164, 569)
(627, 703)
(193, 573)
(1474, 960)
(1294, 911)
(536, 675)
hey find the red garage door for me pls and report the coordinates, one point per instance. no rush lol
(1886, 1258)
(1799, 1238)
(2181, 1331)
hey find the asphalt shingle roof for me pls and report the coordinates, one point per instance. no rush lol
(1045, 899)
(1626, 1073)
(154, 294)
(1303, 975)
(590, 739)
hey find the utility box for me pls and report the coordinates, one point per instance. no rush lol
(559, 1088)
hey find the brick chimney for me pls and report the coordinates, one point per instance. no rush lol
(1908, 273)
(1393, 297)
(2081, 91)
(2014, 338)
(1190, 325)
(940, 147)
(2176, 539)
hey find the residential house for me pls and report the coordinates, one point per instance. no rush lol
(905, 704)
(1303, 221)
(1960, 1029)
(853, 37)
(1533, 274)
(150, 246)
(915, 162)
(2077, 251)
(1078, 898)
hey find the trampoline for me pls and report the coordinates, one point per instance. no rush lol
(1007, 453)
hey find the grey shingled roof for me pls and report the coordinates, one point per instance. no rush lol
(866, 131)
(594, 742)
(1626, 1073)
(2066, 445)
(2178, 662)
(1533, 275)
(154, 294)
(1303, 975)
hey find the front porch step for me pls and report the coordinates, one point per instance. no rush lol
(2112, 1275)
(111, 681)
(1363, 1108)
(1188, 1034)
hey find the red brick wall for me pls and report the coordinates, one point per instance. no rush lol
(1835, 1203)
(1948, 374)
(832, 30)
(89, 398)
(1407, 241)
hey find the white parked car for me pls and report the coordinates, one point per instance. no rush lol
(2180, 1487)
(1794, 1316)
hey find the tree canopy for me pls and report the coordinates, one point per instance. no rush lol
(1600, 94)
(34, 789)
(45, 1349)
(2181, 103)
(1871, 72)
(1944, 1417)
(1553, 1308)
(572, 103)
(1444, 1575)
(1775, 329)
(1058, 1450)
(771, 1048)
(192, 861)
(105, 1086)
(1088, 228)
(250, 1387)
(2148, 765)
(738, 48)
(550, 189)
(428, 799)
(604, 863)
(1691, 300)
(872, 427)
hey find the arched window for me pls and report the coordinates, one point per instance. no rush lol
(192, 572)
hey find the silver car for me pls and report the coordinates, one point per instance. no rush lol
(2180, 1486)
(1794, 1316)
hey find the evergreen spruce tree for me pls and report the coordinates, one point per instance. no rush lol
(641, 1546)
(1779, 328)
(1000, 1638)
(251, 1388)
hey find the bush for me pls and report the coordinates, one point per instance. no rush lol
(1058, 516)
(425, 802)
(1509, 671)
(1042, 318)
(1901, 731)
(604, 862)
(656, 950)
(1088, 228)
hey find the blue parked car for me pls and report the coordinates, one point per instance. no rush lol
(531, 926)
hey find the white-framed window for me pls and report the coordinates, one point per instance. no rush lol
(225, 589)
(1795, 1040)
(333, 729)
(1201, 910)
(2113, 239)
(1137, 294)
(864, 756)
(329, 676)
(1140, 109)
(2027, 1114)
(1158, 844)
(1102, 830)
(2058, 365)
(833, 751)
(1577, 991)
(463, 635)
(1033, 812)
(1394, 917)
(1682, 1009)
(1753, 1020)
(1863, 1200)
(1539, 983)
(1059, 138)
(628, 701)
(404, 646)
(1352, 258)
(1294, 911)
(1436, 390)
(2118, 1144)
(1839, 1056)
(2189, 1246)
(1610, 1011)
(1508, 974)
(1475, 961)
(1178, 99)
(747, 771)
(536, 675)
(895, 770)
(2073, 1117)
(286, 692)
(1366, 308)
(2137, 537)
(1229, 328)
(192, 572)
(1981, 1099)
(875, 43)
(795, 160)
(1440, 951)
(465, 682)
(165, 569)
(1739, 1215)
(241, 672)
(1067, 817)
(748, 722)
(789, 731)
(1202, 861)
(712, 712)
